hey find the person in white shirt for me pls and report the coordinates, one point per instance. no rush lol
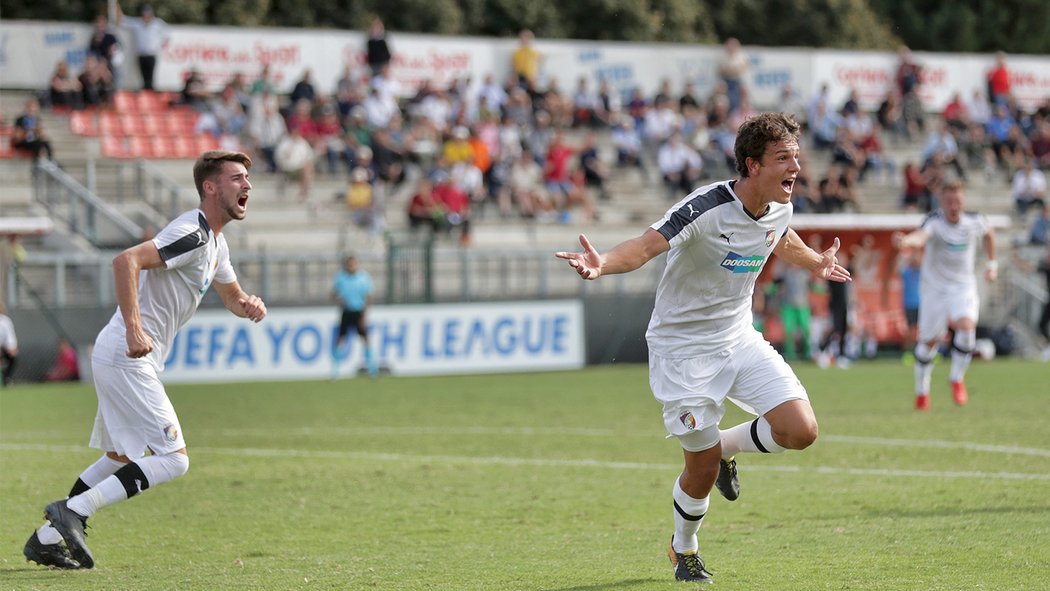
(150, 34)
(948, 287)
(159, 285)
(680, 165)
(8, 347)
(703, 348)
(1028, 188)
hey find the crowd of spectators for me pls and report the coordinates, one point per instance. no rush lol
(525, 148)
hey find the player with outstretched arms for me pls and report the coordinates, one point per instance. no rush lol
(703, 348)
(159, 285)
(948, 287)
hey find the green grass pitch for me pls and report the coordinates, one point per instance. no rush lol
(548, 481)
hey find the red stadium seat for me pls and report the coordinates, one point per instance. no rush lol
(83, 123)
(114, 147)
(150, 102)
(132, 124)
(154, 124)
(109, 124)
(139, 147)
(184, 147)
(205, 142)
(162, 147)
(124, 102)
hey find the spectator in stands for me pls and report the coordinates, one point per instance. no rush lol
(875, 158)
(998, 127)
(611, 103)
(732, 69)
(105, 46)
(526, 188)
(585, 105)
(264, 82)
(96, 83)
(303, 89)
(525, 61)
(389, 156)
(454, 203)
(916, 196)
(64, 90)
(1039, 233)
(229, 113)
(423, 209)
(844, 151)
(1039, 141)
(628, 144)
(594, 170)
(558, 176)
(955, 114)
(889, 116)
(791, 103)
(377, 50)
(636, 108)
(835, 193)
(999, 80)
(150, 34)
(823, 126)
(194, 92)
(557, 105)
(1028, 188)
(294, 156)
(29, 133)
(942, 141)
(362, 200)
(329, 139)
(8, 347)
(660, 122)
(909, 81)
(65, 368)
(680, 166)
(689, 98)
(266, 130)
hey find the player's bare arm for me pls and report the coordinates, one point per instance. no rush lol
(623, 258)
(913, 239)
(126, 268)
(241, 303)
(824, 265)
(991, 268)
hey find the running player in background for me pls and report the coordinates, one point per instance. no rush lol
(703, 348)
(159, 285)
(948, 287)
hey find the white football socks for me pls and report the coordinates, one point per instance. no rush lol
(753, 436)
(91, 476)
(688, 516)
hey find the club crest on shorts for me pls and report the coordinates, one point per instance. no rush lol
(171, 432)
(770, 235)
(688, 420)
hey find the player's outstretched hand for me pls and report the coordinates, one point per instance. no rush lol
(254, 308)
(829, 266)
(587, 263)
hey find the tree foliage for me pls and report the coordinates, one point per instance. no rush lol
(1018, 26)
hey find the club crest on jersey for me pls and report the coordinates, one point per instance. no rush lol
(171, 433)
(741, 264)
(688, 420)
(770, 236)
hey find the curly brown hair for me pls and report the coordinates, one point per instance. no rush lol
(758, 132)
(210, 163)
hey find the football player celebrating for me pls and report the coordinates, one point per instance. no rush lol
(159, 285)
(703, 348)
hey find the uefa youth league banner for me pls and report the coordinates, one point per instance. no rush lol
(296, 343)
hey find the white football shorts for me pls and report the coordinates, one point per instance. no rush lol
(134, 412)
(693, 390)
(938, 307)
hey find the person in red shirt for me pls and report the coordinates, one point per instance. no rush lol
(999, 80)
(456, 204)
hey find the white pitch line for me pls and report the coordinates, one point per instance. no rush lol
(547, 462)
(585, 432)
(941, 444)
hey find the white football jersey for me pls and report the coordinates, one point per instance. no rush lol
(193, 257)
(703, 301)
(951, 250)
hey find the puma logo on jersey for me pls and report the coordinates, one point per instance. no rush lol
(725, 237)
(692, 212)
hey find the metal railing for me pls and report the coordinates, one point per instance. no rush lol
(455, 275)
(80, 210)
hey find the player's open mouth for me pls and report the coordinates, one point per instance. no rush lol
(243, 201)
(788, 184)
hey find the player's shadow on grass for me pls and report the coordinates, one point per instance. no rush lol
(624, 584)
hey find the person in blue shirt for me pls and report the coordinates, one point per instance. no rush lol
(909, 275)
(353, 288)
